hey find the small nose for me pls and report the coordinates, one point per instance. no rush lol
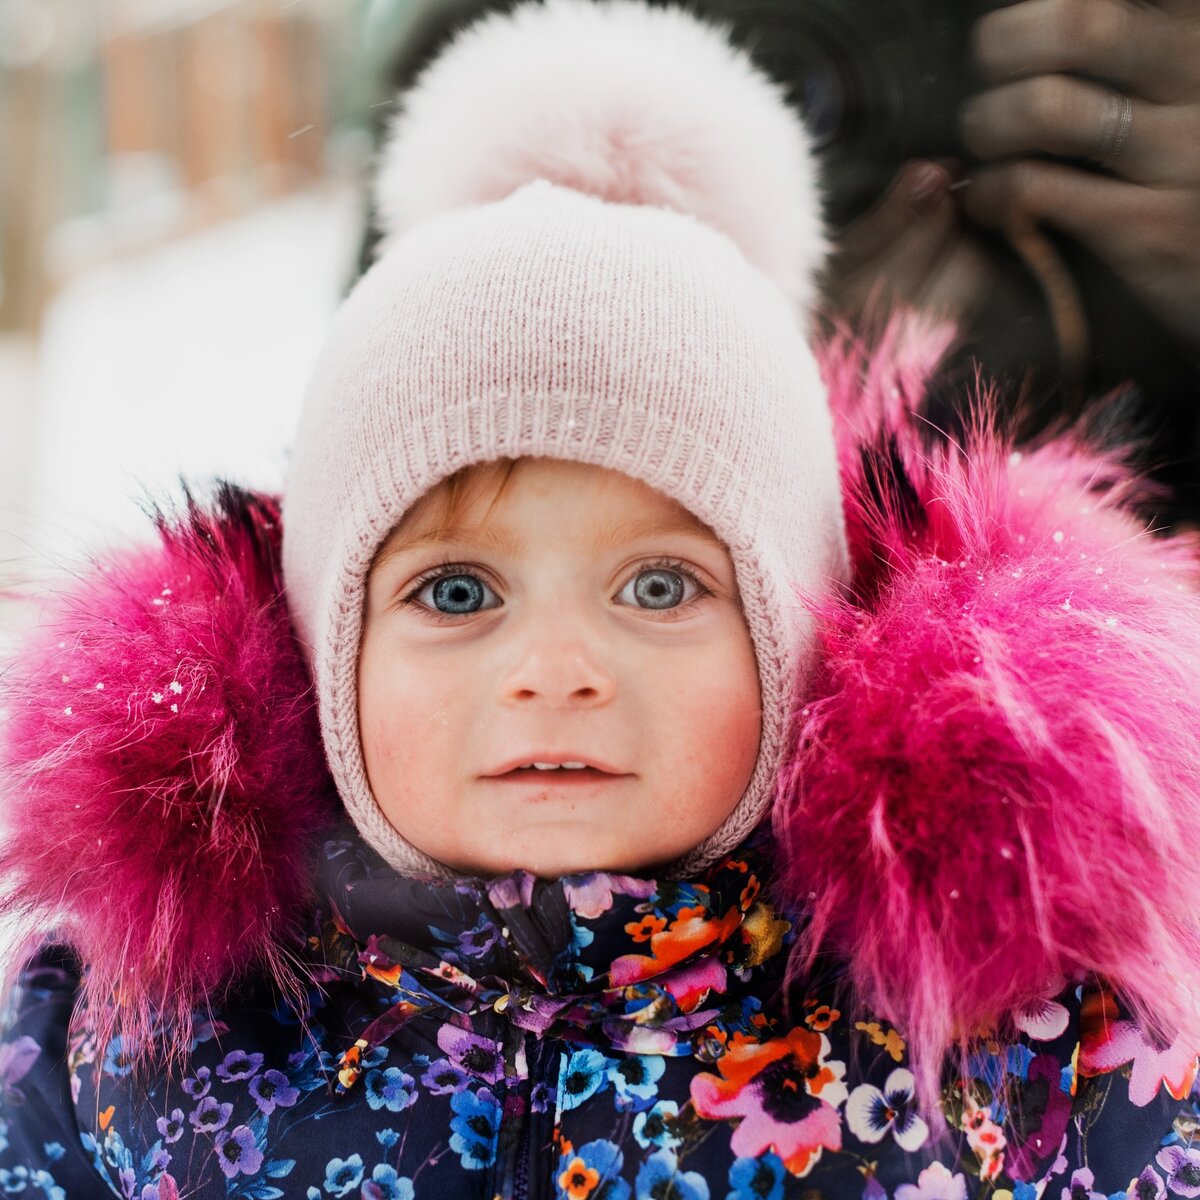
(560, 669)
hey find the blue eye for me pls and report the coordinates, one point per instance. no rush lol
(658, 588)
(455, 595)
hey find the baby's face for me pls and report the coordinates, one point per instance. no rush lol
(578, 616)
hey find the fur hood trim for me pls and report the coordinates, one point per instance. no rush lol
(994, 783)
(994, 786)
(164, 785)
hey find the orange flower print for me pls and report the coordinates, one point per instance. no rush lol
(579, 1180)
(891, 1041)
(763, 933)
(785, 1093)
(750, 892)
(646, 928)
(692, 930)
(821, 1018)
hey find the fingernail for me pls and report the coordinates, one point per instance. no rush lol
(927, 185)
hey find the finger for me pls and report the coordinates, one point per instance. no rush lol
(1072, 118)
(914, 193)
(1133, 47)
(1130, 226)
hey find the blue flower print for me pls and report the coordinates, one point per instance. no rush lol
(387, 1138)
(385, 1184)
(651, 1128)
(659, 1175)
(342, 1176)
(116, 1061)
(272, 1089)
(585, 1074)
(14, 1181)
(391, 1089)
(211, 1115)
(237, 1065)
(756, 1178)
(54, 1150)
(635, 1078)
(238, 1153)
(593, 1170)
(475, 1127)
(443, 1078)
(198, 1085)
(171, 1128)
(44, 1181)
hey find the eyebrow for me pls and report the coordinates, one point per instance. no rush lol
(496, 540)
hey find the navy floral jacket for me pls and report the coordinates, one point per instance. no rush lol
(597, 1037)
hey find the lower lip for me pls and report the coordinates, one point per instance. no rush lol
(556, 779)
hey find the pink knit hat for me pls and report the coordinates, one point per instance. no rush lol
(603, 226)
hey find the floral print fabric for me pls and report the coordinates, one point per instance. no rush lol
(597, 1037)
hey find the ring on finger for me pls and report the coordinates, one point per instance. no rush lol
(1113, 141)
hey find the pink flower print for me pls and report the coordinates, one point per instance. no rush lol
(987, 1139)
(1173, 1067)
(1043, 1020)
(934, 1183)
(871, 1113)
(786, 1094)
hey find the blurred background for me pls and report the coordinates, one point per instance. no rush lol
(180, 210)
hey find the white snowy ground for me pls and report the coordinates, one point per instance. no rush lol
(190, 360)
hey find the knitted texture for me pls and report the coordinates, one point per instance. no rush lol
(560, 324)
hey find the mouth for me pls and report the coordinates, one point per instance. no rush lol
(557, 771)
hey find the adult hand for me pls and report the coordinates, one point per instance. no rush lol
(1115, 82)
(911, 249)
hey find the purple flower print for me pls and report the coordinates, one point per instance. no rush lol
(443, 1078)
(1081, 1187)
(934, 1183)
(1148, 1186)
(237, 1152)
(476, 942)
(171, 1128)
(475, 1055)
(237, 1065)
(199, 1084)
(1182, 1168)
(592, 895)
(272, 1090)
(211, 1115)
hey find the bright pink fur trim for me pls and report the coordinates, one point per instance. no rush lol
(995, 784)
(163, 771)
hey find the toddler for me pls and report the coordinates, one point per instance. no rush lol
(605, 776)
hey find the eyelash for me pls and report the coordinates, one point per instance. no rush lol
(449, 567)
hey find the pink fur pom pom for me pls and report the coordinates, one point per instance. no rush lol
(163, 773)
(995, 783)
(629, 103)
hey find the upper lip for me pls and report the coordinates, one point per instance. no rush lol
(554, 756)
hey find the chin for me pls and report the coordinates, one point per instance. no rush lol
(550, 862)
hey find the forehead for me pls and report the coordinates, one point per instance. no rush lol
(496, 501)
